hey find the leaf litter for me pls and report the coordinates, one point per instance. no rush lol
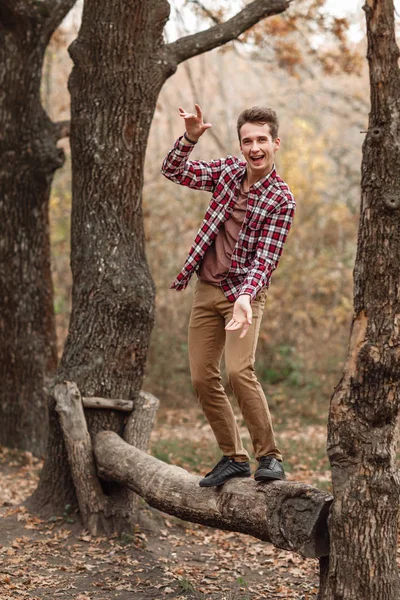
(164, 558)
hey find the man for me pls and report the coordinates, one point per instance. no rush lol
(236, 249)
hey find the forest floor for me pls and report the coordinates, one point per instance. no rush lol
(165, 558)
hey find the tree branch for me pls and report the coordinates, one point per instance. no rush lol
(192, 45)
(108, 404)
(205, 10)
(292, 516)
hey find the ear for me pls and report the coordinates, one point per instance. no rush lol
(277, 144)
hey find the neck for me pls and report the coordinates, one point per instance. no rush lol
(252, 178)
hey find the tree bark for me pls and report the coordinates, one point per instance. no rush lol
(193, 45)
(364, 412)
(99, 512)
(115, 82)
(91, 499)
(28, 158)
(292, 516)
(122, 405)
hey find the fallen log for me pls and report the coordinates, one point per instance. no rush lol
(292, 516)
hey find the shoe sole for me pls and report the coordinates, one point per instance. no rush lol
(271, 477)
(239, 475)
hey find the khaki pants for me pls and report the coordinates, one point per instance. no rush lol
(211, 311)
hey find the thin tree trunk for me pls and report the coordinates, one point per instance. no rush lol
(364, 413)
(28, 158)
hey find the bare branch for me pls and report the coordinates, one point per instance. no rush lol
(205, 10)
(292, 516)
(215, 36)
(108, 403)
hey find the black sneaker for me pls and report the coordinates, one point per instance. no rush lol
(225, 469)
(269, 468)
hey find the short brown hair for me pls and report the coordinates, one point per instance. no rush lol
(259, 114)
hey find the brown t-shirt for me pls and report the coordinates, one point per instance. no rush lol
(217, 260)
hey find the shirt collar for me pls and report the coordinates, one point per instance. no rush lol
(265, 181)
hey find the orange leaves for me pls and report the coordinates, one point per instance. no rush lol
(340, 28)
(288, 55)
(347, 61)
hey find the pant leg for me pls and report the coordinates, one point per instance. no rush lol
(240, 359)
(206, 345)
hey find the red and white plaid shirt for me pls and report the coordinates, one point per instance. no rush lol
(269, 215)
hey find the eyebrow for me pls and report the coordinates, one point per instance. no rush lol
(245, 139)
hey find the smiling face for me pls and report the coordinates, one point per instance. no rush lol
(258, 149)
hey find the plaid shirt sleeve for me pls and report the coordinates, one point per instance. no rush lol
(196, 174)
(269, 250)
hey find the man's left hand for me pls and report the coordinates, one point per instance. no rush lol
(242, 315)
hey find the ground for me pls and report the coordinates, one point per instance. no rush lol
(165, 558)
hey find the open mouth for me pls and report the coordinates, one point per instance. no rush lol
(257, 160)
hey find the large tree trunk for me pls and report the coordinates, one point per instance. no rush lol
(120, 65)
(364, 413)
(114, 87)
(28, 158)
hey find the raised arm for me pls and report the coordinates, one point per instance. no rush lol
(197, 174)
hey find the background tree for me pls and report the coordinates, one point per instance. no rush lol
(364, 413)
(28, 158)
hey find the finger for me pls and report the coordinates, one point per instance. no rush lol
(199, 112)
(233, 321)
(233, 326)
(245, 330)
(186, 115)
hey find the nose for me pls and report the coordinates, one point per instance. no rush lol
(254, 146)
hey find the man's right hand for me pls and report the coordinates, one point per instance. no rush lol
(194, 123)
